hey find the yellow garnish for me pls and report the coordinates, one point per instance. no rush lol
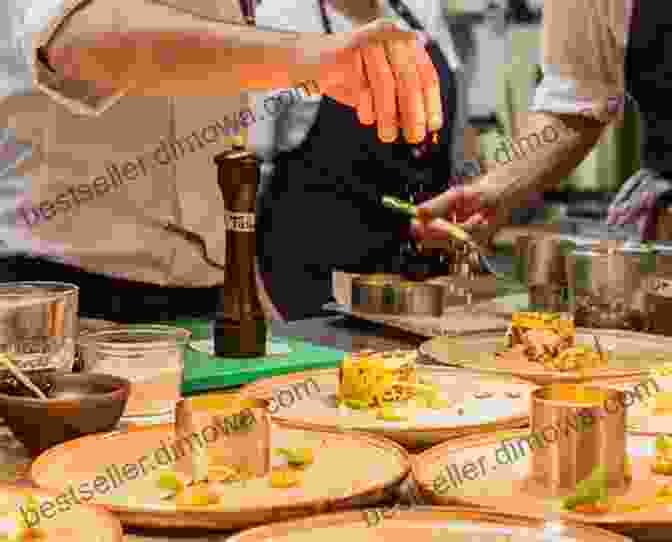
(391, 414)
(220, 473)
(297, 457)
(422, 402)
(662, 403)
(284, 478)
(199, 495)
(665, 491)
(356, 404)
(370, 379)
(170, 481)
(627, 469)
(662, 467)
(438, 403)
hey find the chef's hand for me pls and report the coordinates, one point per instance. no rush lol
(387, 75)
(463, 205)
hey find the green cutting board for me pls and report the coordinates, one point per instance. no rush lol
(203, 372)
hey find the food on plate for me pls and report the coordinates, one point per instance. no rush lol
(13, 525)
(372, 378)
(663, 464)
(550, 340)
(297, 457)
(577, 358)
(170, 480)
(392, 414)
(386, 385)
(627, 468)
(197, 495)
(285, 477)
(217, 442)
(662, 403)
(590, 496)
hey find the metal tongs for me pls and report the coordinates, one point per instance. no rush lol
(458, 233)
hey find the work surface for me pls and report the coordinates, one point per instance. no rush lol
(338, 332)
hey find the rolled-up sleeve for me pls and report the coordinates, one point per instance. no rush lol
(40, 26)
(583, 58)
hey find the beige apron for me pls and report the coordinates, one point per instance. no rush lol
(125, 185)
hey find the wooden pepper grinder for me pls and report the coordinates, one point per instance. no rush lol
(240, 324)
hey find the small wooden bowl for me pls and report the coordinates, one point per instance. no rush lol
(78, 405)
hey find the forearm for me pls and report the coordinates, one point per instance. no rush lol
(162, 51)
(547, 149)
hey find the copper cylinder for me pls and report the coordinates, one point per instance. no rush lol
(658, 291)
(389, 294)
(208, 435)
(575, 429)
(541, 266)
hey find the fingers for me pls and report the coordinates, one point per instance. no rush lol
(430, 87)
(478, 219)
(365, 108)
(410, 97)
(459, 203)
(383, 87)
(379, 32)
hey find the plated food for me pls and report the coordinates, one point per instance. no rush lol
(389, 394)
(35, 515)
(305, 471)
(549, 339)
(546, 348)
(387, 383)
(486, 470)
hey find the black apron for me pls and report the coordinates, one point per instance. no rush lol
(321, 210)
(647, 66)
(647, 82)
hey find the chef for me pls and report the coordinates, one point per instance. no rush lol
(321, 164)
(111, 112)
(598, 54)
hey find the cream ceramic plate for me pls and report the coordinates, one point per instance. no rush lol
(348, 468)
(630, 354)
(486, 471)
(63, 521)
(475, 404)
(651, 410)
(435, 524)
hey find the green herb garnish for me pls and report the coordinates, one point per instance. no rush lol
(663, 442)
(356, 404)
(589, 491)
(390, 414)
(297, 457)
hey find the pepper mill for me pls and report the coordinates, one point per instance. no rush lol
(240, 324)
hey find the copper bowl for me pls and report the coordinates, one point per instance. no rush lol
(77, 405)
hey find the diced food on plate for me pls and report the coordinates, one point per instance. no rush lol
(549, 339)
(663, 464)
(387, 385)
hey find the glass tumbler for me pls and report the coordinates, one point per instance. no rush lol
(39, 324)
(137, 352)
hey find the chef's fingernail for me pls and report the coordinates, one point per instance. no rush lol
(435, 122)
(415, 134)
(388, 133)
(424, 215)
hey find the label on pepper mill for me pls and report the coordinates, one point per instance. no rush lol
(659, 286)
(243, 222)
